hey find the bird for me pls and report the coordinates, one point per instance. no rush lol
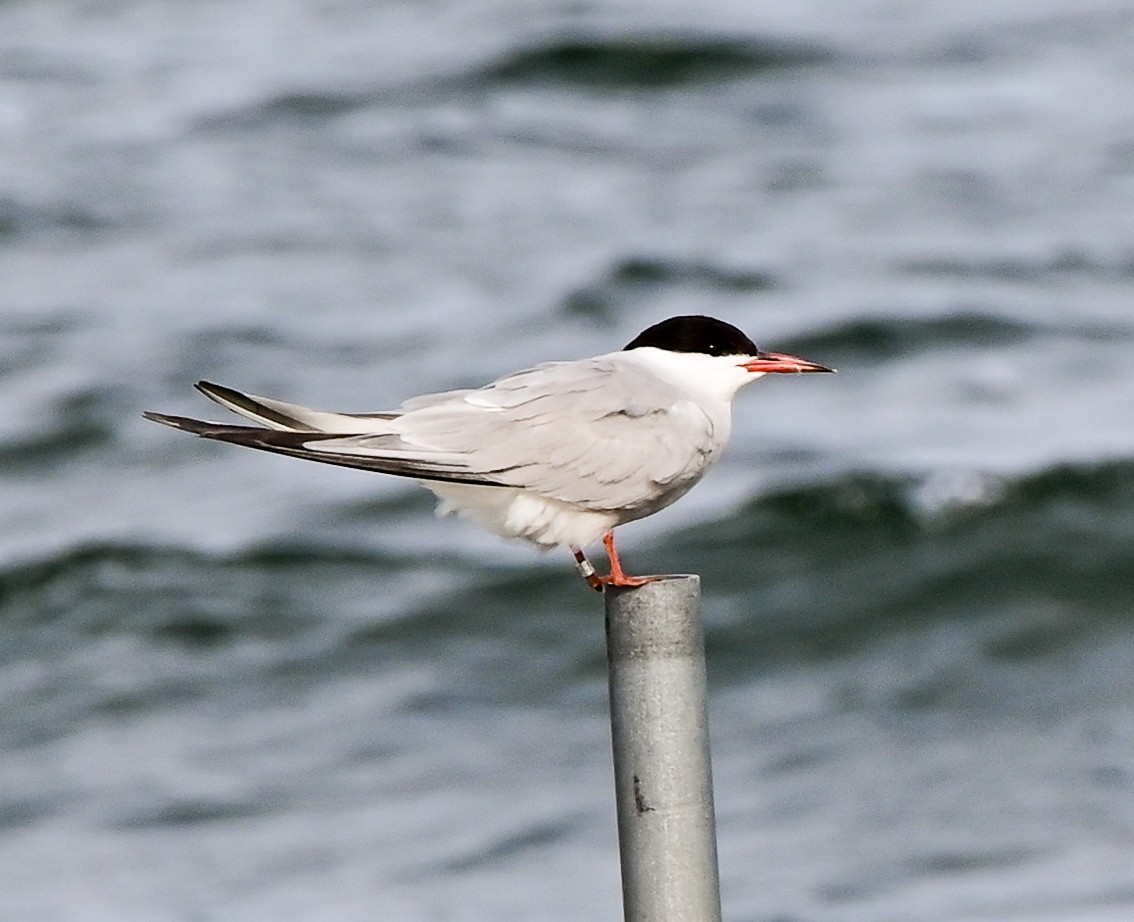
(558, 454)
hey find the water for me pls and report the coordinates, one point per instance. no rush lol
(237, 687)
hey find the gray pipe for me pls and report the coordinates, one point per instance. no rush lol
(662, 777)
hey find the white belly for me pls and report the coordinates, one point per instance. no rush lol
(514, 513)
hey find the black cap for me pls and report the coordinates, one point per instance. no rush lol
(695, 334)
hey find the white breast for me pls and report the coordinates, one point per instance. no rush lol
(515, 513)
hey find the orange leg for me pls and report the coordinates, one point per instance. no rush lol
(618, 576)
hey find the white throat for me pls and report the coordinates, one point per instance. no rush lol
(716, 377)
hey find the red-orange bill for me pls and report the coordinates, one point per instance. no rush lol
(778, 363)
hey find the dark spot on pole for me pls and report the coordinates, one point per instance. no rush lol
(639, 798)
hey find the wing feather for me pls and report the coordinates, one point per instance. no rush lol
(561, 428)
(604, 434)
(290, 417)
(307, 445)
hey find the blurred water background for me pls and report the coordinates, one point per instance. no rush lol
(239, 687)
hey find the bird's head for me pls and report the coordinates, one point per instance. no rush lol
(714, 349)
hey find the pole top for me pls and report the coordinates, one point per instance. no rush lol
(666, 583)
(659, 618)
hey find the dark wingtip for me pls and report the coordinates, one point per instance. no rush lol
(208, 388)
(183, 423)
(250, 406)
(158, 418)
(219, 391)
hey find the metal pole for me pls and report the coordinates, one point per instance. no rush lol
(662, 778)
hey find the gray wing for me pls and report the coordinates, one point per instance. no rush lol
(597, 433)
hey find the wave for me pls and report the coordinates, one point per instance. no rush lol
(659, 60)
(866, 339)
(1031, 565)
(643, 275)
(92, 574)
(29, 340)
(647, 61)
(77, 423)
(1039, 561)
(21, 219)
(1020, 267)
(291, 107)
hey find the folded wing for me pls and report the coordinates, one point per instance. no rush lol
(600, 433)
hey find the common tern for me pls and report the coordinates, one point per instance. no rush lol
(557, 454)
